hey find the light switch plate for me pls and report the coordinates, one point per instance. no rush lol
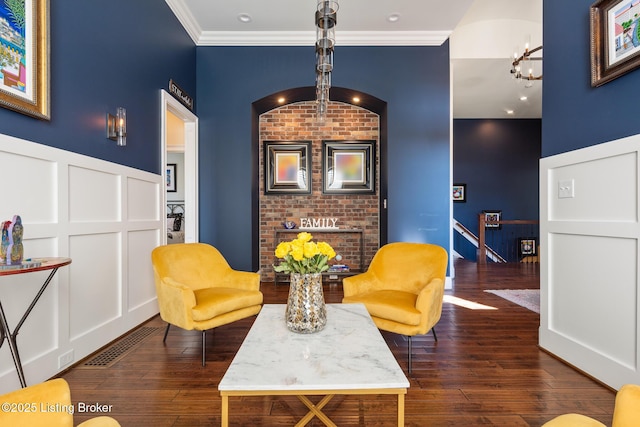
(566, 189)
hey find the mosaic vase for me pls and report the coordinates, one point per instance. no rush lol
(306, 312)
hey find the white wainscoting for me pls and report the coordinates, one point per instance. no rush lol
(107, 219)
(589, 284)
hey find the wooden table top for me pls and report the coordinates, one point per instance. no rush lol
(34, 264)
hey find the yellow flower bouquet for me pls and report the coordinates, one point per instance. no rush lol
(303, 256)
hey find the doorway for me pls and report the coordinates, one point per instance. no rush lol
(179, 136)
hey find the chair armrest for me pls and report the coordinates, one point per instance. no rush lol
(176, 301)
(359, 284)
(240, 279)
(100, 422)
(429, 302)
(627, 407)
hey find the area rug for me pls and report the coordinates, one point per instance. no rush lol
(527, 298)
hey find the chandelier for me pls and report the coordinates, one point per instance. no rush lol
(326, 19)
(524, 66)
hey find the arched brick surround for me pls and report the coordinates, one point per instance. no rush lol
(297, 122)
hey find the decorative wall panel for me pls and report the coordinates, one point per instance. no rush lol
(86, 209)
(27, 175)
(93, 195)
(589, 282)
(141, 289)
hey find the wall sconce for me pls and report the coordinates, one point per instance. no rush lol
(117, 127)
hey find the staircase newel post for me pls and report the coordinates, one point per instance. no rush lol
(482, 248)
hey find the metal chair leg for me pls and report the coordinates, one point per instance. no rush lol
(204, 346)
(166, 332)
(409, 354)
(435, 337)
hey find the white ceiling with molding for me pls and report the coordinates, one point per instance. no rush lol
(483, 37)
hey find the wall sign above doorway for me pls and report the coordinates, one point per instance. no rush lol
(180, 95)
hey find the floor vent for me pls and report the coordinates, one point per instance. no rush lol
(114, 352)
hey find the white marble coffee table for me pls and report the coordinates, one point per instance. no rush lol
(349, 356)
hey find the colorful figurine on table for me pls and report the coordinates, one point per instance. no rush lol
(12, 248)
(5, 241)
(15, 241)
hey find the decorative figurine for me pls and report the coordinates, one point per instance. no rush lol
(5, 242)
(15, 251)
(289, 225)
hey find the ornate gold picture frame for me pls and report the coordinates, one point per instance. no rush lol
(24, 57)
(615, 39)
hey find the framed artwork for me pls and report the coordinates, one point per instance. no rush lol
(526, 246)
(172, 179)
(490, 219)
(24, 57)
(287, 167)
(459, 193)
(614, 39)
(348, 167)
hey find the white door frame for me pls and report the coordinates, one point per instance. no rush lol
(169, 103)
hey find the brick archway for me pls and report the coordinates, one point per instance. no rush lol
(346, 121)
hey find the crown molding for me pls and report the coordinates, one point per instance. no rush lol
(300, 38)
(307, 38)
(186, 18)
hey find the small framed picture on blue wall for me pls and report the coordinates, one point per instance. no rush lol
(459, 193)
(492, 218)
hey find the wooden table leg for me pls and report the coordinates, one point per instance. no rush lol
(225, 411)
(316, 411)
(401, 410)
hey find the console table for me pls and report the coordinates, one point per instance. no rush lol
(31, 266)
(331, 276)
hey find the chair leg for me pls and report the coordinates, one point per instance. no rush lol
(166, 332)
(435, 337)
(409, 354)
(204, 346)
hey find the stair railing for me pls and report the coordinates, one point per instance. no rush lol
(483, 250)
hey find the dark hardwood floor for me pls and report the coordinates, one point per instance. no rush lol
(485, 369)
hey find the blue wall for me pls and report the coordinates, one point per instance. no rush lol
(575, 115)
(414, 81)
(498, 160)
(103, 56)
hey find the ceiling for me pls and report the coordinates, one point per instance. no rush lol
(484, 34)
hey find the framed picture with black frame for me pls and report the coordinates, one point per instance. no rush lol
(348, 167)
(526, 246)
(459, 193)
(172, 179)
(490, 219)
(287, 167)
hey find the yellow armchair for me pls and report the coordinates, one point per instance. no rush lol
(626, 412)
(47, 404)
(402, 289)
(198, 290)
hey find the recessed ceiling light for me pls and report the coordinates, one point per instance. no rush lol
(523, 98)
(356, 99)
(510, 112)
(281, 100)
(244, 17)
(394, 17)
